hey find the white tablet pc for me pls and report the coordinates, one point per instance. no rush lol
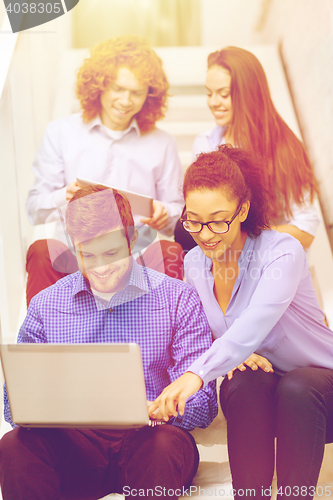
(140, 204)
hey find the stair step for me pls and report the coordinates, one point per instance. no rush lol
(186, 128)
(187, 101)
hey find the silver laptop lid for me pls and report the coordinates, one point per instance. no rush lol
(75, 385)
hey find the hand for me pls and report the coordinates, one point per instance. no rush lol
(71, 190)
(175, 395)
(254, 361)
(159, 217)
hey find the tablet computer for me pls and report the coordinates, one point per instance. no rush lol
(140, 204)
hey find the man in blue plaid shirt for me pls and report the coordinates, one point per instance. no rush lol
(112, 299)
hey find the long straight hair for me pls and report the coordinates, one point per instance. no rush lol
(257, 127)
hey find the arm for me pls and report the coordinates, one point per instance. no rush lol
(168, 191)
(49, 189)
(173, 399)
(302, 236)
(6, 408)
(192, 338)
(275, 291)
(272, 296)
(32, 330)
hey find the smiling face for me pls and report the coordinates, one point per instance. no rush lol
(123, 100)
(206, 205)
(105, 261)
(218, 83)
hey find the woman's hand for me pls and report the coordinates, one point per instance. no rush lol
(255, 361)
(175, 395)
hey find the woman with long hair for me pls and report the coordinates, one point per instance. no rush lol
(256, 289)
(239, 99)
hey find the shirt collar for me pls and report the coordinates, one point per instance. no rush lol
(246, 254)
(215, 136)
(81, 284)
(137, 285)
(97, 123)
(138, 278)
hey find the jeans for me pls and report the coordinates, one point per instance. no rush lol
(297, 409)
(56, 464)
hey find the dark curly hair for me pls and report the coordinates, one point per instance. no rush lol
(238, 174)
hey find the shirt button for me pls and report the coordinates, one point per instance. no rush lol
(201, 372)
(110, 310)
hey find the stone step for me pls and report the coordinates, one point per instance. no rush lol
(187, 101)
(184, 114)
(185, 128)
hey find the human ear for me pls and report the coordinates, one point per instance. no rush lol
(134, 238)
(244, 211)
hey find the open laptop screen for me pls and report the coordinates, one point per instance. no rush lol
(75, 385)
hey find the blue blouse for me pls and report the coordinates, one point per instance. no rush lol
(273, 309)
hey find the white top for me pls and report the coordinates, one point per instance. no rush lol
(144, 163)
(305, 216)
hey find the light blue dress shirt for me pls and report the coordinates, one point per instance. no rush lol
(144, 163)
(273, 309)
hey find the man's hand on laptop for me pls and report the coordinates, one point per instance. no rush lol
(159, 217)
(156, 414)
(175, 395)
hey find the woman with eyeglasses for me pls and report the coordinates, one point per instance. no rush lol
(256, 290)
(239, 99)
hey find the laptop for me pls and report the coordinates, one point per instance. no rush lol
(75, 385)
(140, 204)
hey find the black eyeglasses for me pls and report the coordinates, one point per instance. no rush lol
(216, 226)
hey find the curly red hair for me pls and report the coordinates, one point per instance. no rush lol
(257, 127)
(100, 70)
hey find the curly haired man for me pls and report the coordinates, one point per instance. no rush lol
(122, 90)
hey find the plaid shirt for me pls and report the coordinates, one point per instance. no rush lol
(161, 314)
